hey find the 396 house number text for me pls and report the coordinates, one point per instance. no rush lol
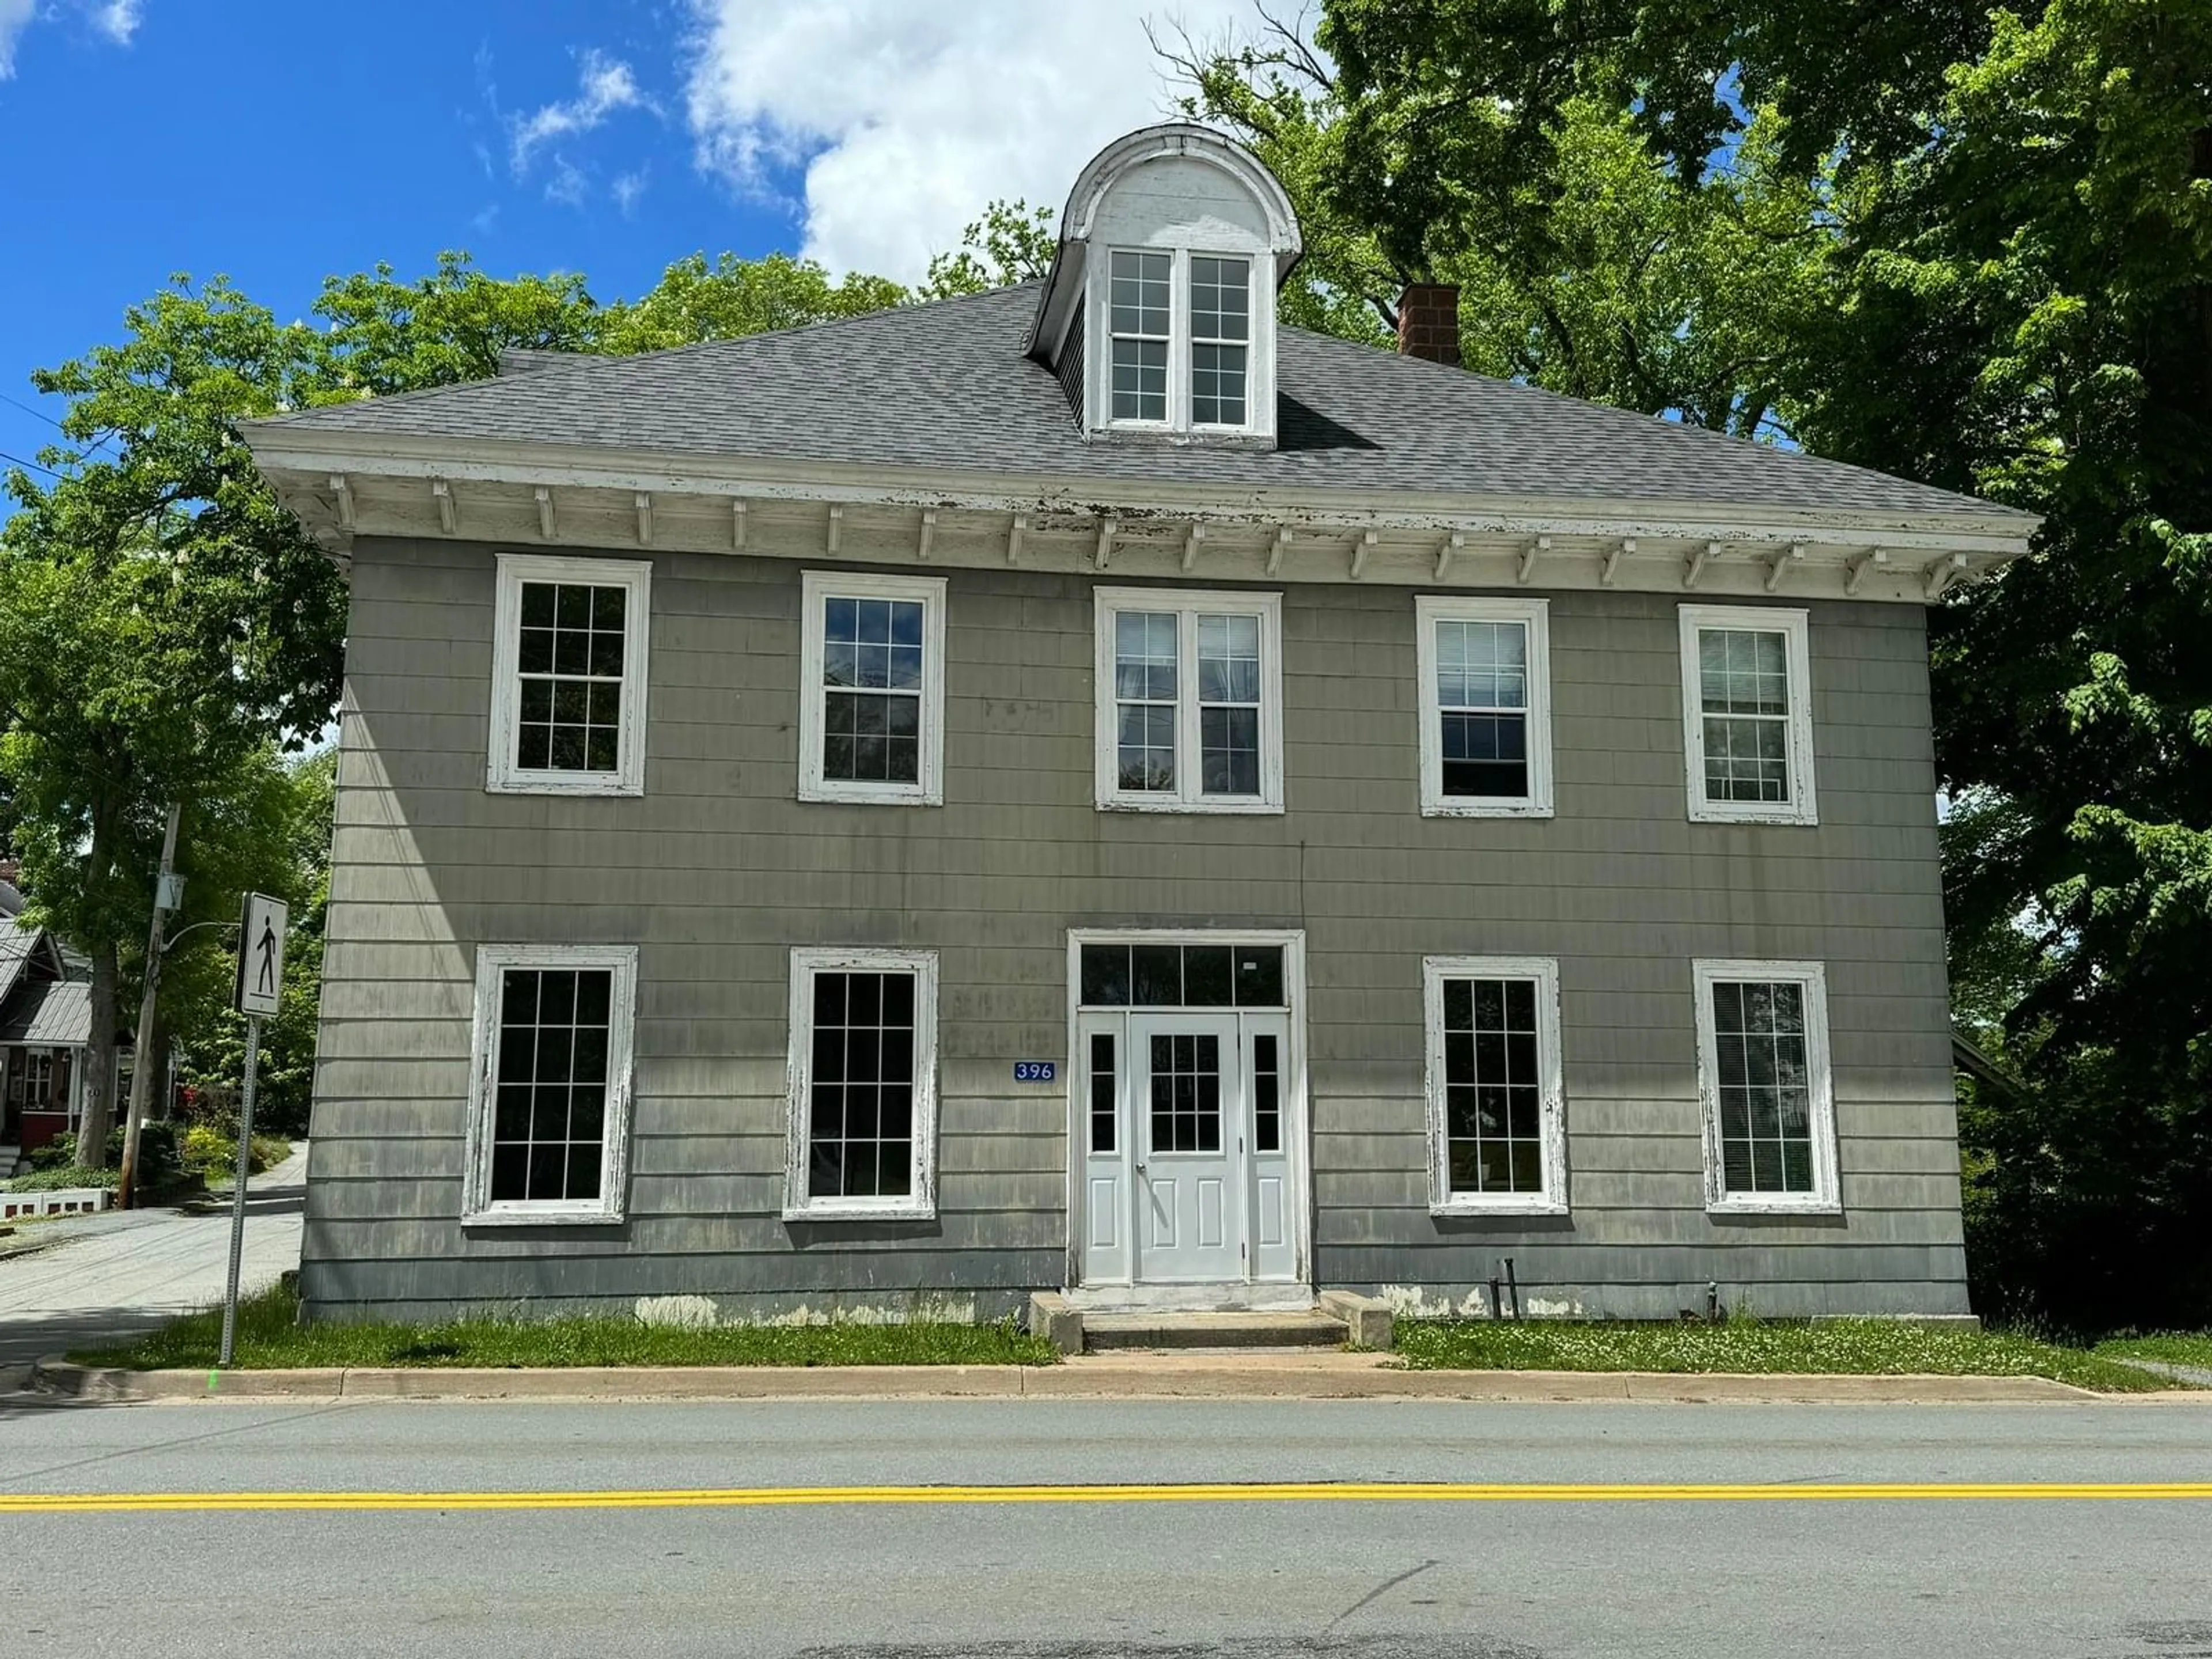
(1036, 1070)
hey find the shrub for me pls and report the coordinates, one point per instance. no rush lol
(60, 1153)
(57, 1177)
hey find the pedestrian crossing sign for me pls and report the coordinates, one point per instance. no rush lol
(260, 955)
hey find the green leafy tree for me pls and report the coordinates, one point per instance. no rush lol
(1012, 242)
(2014, 236)
(695, 301)
(1598, 273)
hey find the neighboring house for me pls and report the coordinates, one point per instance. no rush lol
(46, 1022)
(1084, 786)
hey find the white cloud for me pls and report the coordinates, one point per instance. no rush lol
(117, 20)
(629, 187)
(569, 185)
(14, 17)
(605, 85)
(908, 118)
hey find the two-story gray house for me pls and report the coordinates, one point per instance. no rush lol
(1088, 789)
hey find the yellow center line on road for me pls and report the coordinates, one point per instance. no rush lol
(1350, 1492)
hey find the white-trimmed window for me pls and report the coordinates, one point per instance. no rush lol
(1748, 714)
(1190, 700)
(862, 1140)
(550, 1089)
(1485, 707)
(568, 696)
(872, 706)
(1763, 1072)
(1497, 1105)
(1186, 342)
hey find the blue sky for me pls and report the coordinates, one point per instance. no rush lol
(281, 143)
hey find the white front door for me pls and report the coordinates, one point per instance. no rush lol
(1188, 1144)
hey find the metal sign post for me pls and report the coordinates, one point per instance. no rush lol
(258, 992)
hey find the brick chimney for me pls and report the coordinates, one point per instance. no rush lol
(1428, 322)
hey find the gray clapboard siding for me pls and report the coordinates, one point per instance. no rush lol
(718, 871)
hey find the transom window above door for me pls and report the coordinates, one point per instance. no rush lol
(1485, 707)
(872, 706)
(1182, 977)
(1748, 714)
(567, 709)
(1190, 700)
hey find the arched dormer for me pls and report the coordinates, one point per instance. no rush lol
(1159, 315)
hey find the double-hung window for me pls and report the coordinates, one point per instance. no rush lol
(1183, 342)
(568, 701)
(1485, 707)
(1763, 1072)
(548, 1095)
(1190, 700)
(1748, 714)
(862, 1139)
(872, 706)
(1496, 1114)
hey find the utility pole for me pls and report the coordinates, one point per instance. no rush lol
(142, 1063)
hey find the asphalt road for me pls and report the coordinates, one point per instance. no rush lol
(1321, 1575)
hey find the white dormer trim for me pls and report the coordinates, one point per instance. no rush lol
(1080, 274)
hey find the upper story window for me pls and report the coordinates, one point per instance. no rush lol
(1190, 700)
(1748, 714)
(1485, 707)
(1158, 314)
(871, 700)
(568, 700)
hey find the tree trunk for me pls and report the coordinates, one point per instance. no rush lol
(99, 1049)
(100, 1060)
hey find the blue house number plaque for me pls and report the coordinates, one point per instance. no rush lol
(1035, 1070)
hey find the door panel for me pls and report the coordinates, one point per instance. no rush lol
(1188, 1142)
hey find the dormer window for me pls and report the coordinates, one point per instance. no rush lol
(1142, 283)
(1159, 315)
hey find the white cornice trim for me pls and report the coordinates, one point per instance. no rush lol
(315, 454)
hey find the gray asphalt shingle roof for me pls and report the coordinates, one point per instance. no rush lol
(948, 386)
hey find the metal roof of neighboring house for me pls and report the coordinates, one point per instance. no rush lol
(19, 943)
(947, 384)
(58, 1012)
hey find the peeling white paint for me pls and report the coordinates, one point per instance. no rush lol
(684, 1313)
(1537, 1307)
(920, 1309)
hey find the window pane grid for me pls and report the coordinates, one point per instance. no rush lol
(549, 1117)
(1104, 1116)
(1220, 322)
(1144, 690)
(1494, 1090)
(871, 675)
(1186, 1093)
(1182, 977)
(1743, 682)
(1229, 705)
(1267, 1095)
(1138, 320)
(1482, 705)
(1764, 1086)
(570, 658)
(860, 1086)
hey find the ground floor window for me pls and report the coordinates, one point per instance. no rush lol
(1496, 1127)
(1763, 1075)
(862, 1136)
(550, 1109)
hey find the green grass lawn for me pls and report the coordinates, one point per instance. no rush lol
(2173, 1347)
(1864, 1347)
(269, 1338)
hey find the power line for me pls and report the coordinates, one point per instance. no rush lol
(41, 415)
(34, 465)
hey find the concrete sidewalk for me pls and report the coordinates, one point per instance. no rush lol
(1091, 1376)
(118, 1273)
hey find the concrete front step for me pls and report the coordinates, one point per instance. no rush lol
(1186, 1331)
